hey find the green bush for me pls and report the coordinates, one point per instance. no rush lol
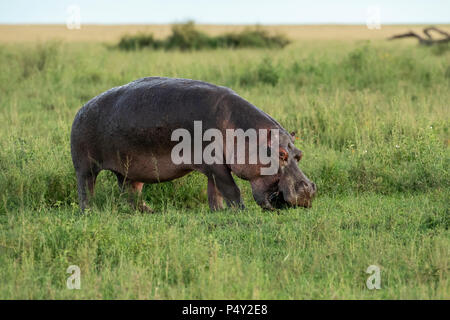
(139, 41)
(187, 37)
(252, 38)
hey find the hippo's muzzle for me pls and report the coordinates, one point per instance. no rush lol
(300, 194)
(303, 195)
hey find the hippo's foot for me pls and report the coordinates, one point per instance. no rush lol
(144, 208)
(268, 208)
(239, 206)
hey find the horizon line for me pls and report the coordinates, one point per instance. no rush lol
(229, 24)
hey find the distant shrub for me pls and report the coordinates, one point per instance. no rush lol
(187, 37)
(139, 41)
(252, 38)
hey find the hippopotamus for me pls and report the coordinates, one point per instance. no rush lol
(128, 130)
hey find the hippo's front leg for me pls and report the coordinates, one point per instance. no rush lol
(261, 194)
(219, 176)
(215, 198)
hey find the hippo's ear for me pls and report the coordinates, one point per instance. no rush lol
(283, 154)
(298, 155)
(293, 134)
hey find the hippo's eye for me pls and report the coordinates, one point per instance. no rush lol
(284, 155)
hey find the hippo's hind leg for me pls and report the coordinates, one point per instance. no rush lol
(86, 177)
(219, 176)
(134, 189)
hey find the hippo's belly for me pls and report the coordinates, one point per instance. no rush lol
(145, 167)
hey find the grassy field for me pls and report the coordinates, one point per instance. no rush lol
(373, 121)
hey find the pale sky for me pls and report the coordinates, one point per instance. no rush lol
(226, 11)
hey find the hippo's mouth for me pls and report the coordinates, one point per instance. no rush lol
(277, 201)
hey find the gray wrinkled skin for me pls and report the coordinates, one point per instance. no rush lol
(127, 130)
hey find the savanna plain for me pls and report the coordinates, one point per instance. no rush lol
(372, 119)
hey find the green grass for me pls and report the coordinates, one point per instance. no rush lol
(373, 122)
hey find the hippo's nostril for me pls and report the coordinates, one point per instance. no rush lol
(301, 185)
(311, 190)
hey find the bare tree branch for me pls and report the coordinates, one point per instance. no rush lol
(428, 41)
(427, 32)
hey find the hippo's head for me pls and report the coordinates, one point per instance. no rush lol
(289, 187)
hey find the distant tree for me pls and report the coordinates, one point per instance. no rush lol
(428, 39)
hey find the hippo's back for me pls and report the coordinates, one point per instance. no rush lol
(148, 102)
(154, 95)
